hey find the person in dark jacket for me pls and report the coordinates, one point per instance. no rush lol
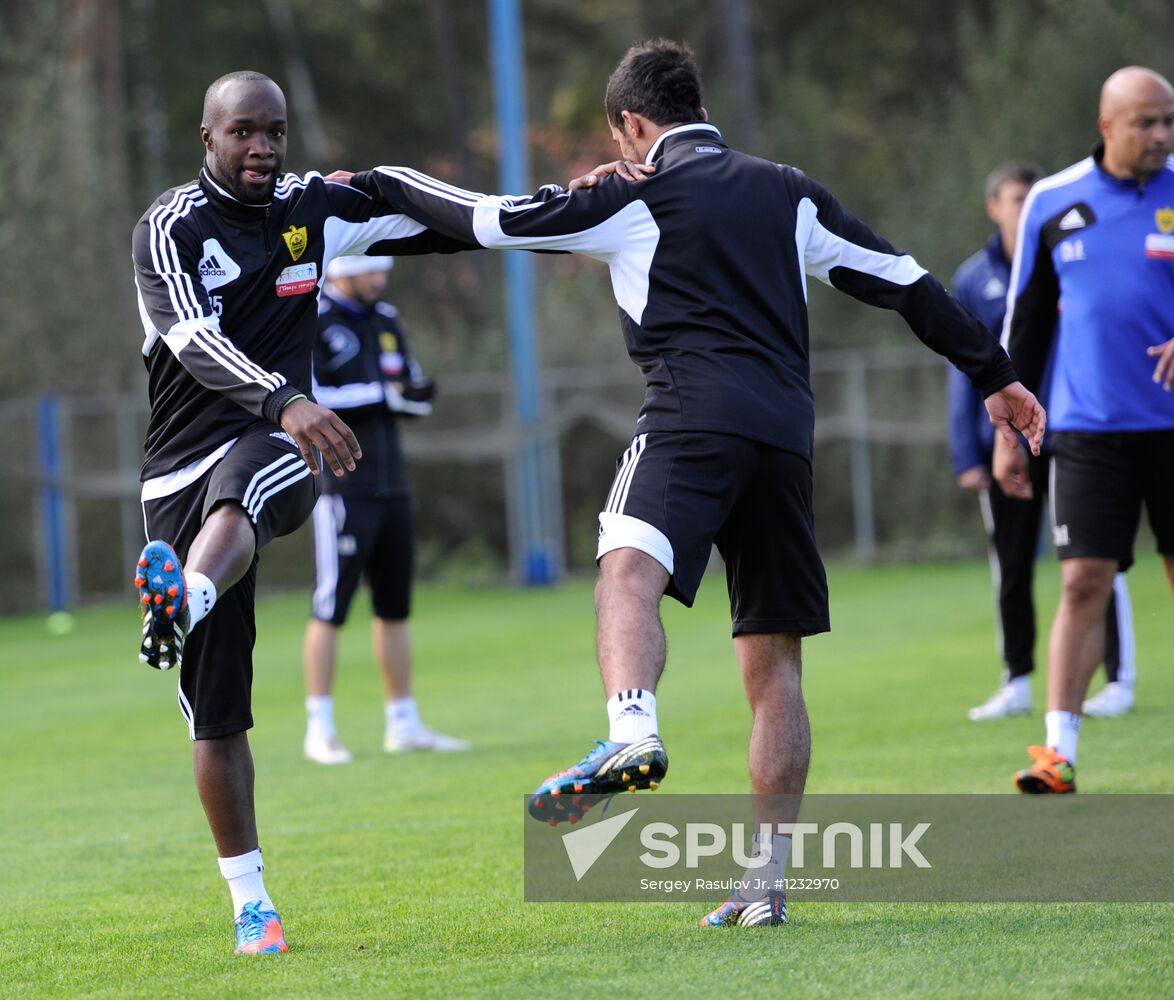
(709, 260)
(364, 370)
(1012, 525)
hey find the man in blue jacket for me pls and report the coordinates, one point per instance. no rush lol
(1097, 242)
(1012, 525)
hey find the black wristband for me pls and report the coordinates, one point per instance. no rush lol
(277, 401)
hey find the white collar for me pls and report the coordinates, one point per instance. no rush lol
(688, 127)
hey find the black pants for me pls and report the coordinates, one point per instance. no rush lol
(1013, 528)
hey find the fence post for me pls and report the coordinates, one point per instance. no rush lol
(535, 489)
(54, 526)
(862, 514)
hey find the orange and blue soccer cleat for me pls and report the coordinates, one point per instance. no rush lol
(258, 932)
(1049, 773)
(737, 912)
(607, 769)
(163, 600)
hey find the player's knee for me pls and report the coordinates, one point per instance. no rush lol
(631, 573)
(1087, 583)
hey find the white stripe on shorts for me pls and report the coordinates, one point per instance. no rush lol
(623, 481)
(275, 484)
(329, 515)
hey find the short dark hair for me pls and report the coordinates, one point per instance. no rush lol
(658, 79)
(240, 75)
(1011, 172)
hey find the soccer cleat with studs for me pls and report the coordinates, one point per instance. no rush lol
(258, 931)
(1049, 774)
(164, 602)
(737, 912)
(607, 769)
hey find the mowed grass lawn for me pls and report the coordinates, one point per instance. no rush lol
(403, 875)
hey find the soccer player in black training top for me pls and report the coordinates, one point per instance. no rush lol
(709, 258)
(228, 269)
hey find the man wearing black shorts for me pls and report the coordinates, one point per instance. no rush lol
(1098, 238)
(364, 369)
(227, 269)
(708, 259)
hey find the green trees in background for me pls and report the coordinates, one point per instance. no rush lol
(899, 108)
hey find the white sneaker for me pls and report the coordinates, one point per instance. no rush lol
(1010, 699)
(422, 738)
(1114, 699)
(325, 751)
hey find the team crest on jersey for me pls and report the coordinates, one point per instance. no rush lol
(296, 240)
(1164, 217)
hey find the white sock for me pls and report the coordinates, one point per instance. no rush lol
(761, 880)
(201, 596)
(401, 714)
(632, 714)
(1063, 733)
(320, 717)
(1020, 685)
(245, 880)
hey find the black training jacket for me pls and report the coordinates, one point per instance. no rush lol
(228, 298)
(709, 260)
(359, 355)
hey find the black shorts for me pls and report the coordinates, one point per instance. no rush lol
(675, 495)
(1100, 481)
(265, 474)
(356, 537)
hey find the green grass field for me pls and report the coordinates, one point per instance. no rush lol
(403, 876)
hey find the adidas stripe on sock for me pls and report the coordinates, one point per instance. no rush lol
(201, 596)
(246, 881)
(632, 715)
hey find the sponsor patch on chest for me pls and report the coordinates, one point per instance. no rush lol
(297, 279)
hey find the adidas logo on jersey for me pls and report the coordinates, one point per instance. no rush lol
(1073, 220)
(994, 289)
(210, 267)
(216, 268)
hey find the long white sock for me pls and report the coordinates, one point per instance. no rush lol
(245, 881)
(632, 715)
(402, 715)
(766, 878)
(201, 596)
(1063, 733)
(320, 717)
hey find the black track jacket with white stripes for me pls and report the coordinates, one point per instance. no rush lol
(359, 350)
(708, 258)
(228, 299)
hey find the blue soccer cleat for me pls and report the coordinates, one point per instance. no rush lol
(607, 769)
(737, 912)
(258, 932)
(164, 602)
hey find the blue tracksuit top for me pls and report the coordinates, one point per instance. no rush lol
(980, 284)
(1099, 251)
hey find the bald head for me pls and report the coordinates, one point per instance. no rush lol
(1136, 122)
(1133, 85)
(244, 134)
(216, 96)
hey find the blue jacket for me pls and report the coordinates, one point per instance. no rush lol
(1100, 250)
(980, 284)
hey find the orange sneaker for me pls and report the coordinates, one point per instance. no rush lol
(1049, 773)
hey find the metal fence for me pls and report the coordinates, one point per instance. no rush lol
(882, 475)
